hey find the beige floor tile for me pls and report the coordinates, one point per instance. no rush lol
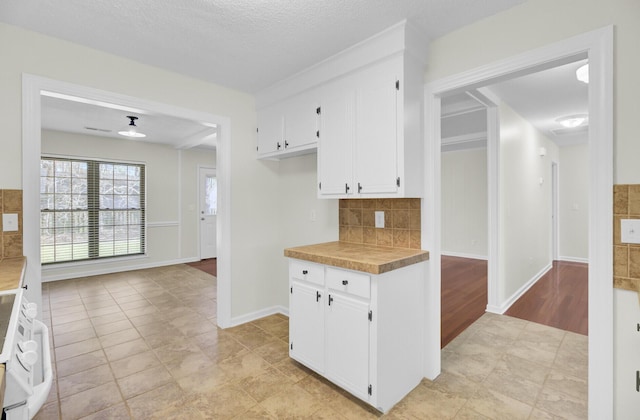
(226, 348)
(144, 381)
(224, 402)
(80, 363)
(188, 365)
(537, 414)
(517, 366)
(145, 310)
(119, 337)
(130, 348)
(157, 327)
(468, 414)
(429, 403)
(71, 326)
(475, 367)
(292, 402)
(48, 412)
(107, 310)
(151, 404)
(63, 319)
(65, 339)
(561, 404)
(132, 364)
(99, 304)
(258, 413)
(273, 351)
(495, 405)
(205, 380)
(292, 369)
(116, 412)
(90, 401)
(108, 319)
(574, 386)
(244, 366)
(76, 349)
(129, 298)
(265, 385)
(514, 386)
(67, 310)
(84, 380)
(113, 327)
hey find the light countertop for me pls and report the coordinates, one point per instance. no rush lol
(358, 257)
(12, 272)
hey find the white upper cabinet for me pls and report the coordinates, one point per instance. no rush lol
(368, 133)
(288, 128)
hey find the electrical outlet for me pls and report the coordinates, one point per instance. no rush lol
(10, 222)
(379, 219)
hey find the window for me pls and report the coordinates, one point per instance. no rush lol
(90, 209)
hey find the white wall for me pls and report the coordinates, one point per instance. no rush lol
(573, 203)
(171, 188)
(525, 203)
(255, 185)
(465, 203)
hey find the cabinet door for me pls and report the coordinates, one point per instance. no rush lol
(270, 129)
(306, 325)
(348, 344)
(335, 144)
(375, 169)
(300, 122)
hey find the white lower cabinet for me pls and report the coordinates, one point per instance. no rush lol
(361, 331)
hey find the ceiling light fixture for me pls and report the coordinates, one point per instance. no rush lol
(132, 129)
(582, 73)
(572, 121)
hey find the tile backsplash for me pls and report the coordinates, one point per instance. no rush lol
(401, 221)
(11, 242)
(626, 257)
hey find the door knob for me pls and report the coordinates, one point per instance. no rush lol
(202, 218)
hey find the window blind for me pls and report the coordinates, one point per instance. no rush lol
(90, 209)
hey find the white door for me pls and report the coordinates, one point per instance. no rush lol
(208, 186)
(347, 344)
(306, 323)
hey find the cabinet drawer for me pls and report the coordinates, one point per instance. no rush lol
(306, 271)
(348, 282)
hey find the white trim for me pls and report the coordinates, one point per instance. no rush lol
(46, 277)
(597, 45)
(252, 316)
(574, 259)
(169, 223)
(179, 204)
(32, 86)
(504, 307)
(464, 255)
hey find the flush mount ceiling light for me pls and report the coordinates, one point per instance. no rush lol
(582, 73)
(132, 129)
(572, 121)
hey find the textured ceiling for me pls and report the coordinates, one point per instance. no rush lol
(243, 44)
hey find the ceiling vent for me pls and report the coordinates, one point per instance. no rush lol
(103, 130)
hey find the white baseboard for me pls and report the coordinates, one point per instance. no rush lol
(88, 270)
(464, 255)
(243, 319)
(521, 291)
(574, 259)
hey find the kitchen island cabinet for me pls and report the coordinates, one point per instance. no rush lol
(361, 331)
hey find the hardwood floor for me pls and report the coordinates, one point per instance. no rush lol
(559, 299)
(463, 295)
(210, 265)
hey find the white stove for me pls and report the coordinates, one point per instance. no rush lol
(26, 354)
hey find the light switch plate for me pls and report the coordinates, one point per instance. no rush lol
(379, 219)
(10, 222)
(630, 231)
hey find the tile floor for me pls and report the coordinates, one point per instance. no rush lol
(145, 345)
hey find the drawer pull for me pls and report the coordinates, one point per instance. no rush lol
(305, 272)
(318, 295)
(345, 282)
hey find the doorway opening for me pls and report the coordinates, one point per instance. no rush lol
(33, 89)
(597, 47)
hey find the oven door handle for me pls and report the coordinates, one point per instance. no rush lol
(41, 391)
